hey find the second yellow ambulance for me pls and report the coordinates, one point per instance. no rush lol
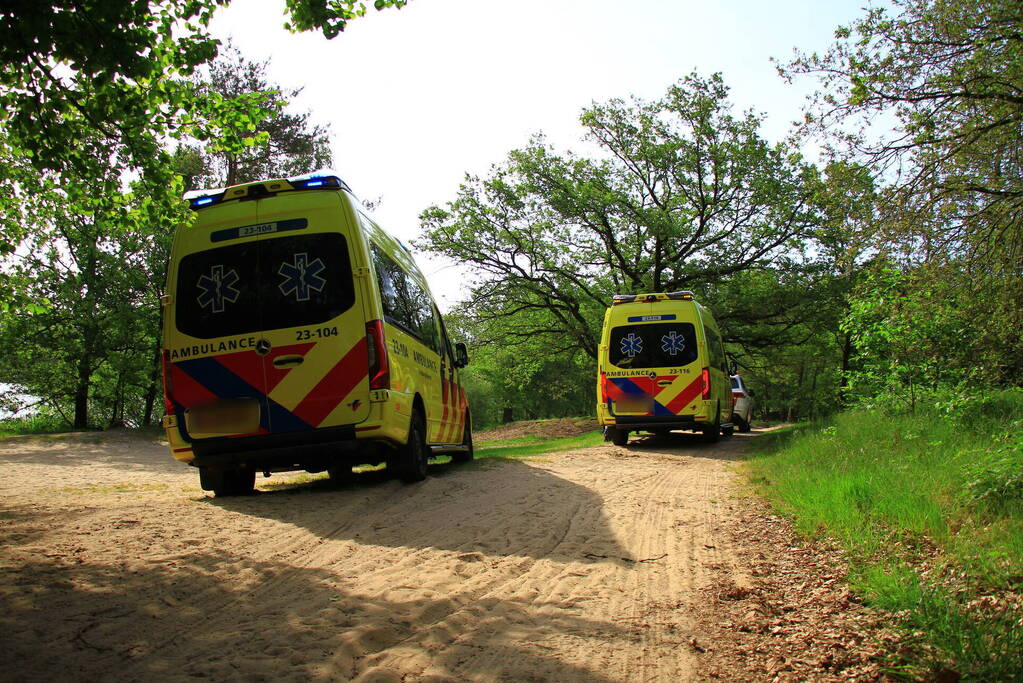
(662, 367)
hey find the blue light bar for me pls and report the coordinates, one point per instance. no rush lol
(202, 201)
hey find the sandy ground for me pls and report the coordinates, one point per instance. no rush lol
(645, 563)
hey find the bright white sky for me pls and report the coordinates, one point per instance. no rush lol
(418, 97)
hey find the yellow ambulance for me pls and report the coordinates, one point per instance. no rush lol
(298, 335)
(661, 367)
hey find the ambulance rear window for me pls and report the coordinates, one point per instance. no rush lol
(265, 285)
(656, 345)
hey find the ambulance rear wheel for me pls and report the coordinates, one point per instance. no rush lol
(619, 437)
(712, 432)
(411, 460)
(235, 483)
(466, 455)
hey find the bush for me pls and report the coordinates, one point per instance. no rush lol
(36, 423)
(996, 475)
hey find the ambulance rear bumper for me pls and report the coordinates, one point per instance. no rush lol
(293, 450)
(644, 422)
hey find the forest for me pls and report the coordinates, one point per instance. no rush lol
(886, 273)
(871, 292)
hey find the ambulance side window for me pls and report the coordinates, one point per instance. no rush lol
(428, 322)
(716, 348)
(445, 340)
(405, 303)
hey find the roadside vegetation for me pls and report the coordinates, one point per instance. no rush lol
(34, 423)
(929, 507)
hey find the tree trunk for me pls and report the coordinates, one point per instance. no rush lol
(82, 395)
(155, 385)
(506, 417)
(232, 170)
(117, 410)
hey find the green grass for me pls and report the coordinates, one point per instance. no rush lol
(531, 446)
(517, 441)
(930, 509)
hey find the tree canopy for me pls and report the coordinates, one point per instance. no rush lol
(681, 193)
(946, 79)
(119, 70)
(951, 74)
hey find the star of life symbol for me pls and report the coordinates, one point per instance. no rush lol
(672, 343)
(632, 345)
(301, 277)
(218, 289)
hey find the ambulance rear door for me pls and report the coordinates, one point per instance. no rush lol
(313, 317)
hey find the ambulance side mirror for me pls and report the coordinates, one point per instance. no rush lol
(461, 355)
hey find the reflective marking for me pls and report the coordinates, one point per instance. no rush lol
(332, 389)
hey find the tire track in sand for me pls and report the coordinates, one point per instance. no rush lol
(509, 571)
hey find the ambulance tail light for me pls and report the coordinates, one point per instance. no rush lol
(379, 370)
(168, 387)
(603, 387)
(706, 384)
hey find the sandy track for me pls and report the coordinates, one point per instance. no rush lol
(593, 565)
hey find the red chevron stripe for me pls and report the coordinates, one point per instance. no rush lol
(442, 432)
(335, 385)
(248, 365)
(456, 416)
(187, 392)
(694, 389)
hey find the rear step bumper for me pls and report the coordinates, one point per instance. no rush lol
(268, 450)
(644, 423)
(456, 448)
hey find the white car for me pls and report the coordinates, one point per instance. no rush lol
(742, 404)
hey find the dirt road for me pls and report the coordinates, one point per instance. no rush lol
(605, 564)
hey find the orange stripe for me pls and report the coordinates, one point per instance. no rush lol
(334, 386)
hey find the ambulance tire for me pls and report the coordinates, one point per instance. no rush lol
(728, 431)
(712, 433)
(411, 460)
(465, 456)
(619, 437)
(235, 483)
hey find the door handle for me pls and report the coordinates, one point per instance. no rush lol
(288, 361)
